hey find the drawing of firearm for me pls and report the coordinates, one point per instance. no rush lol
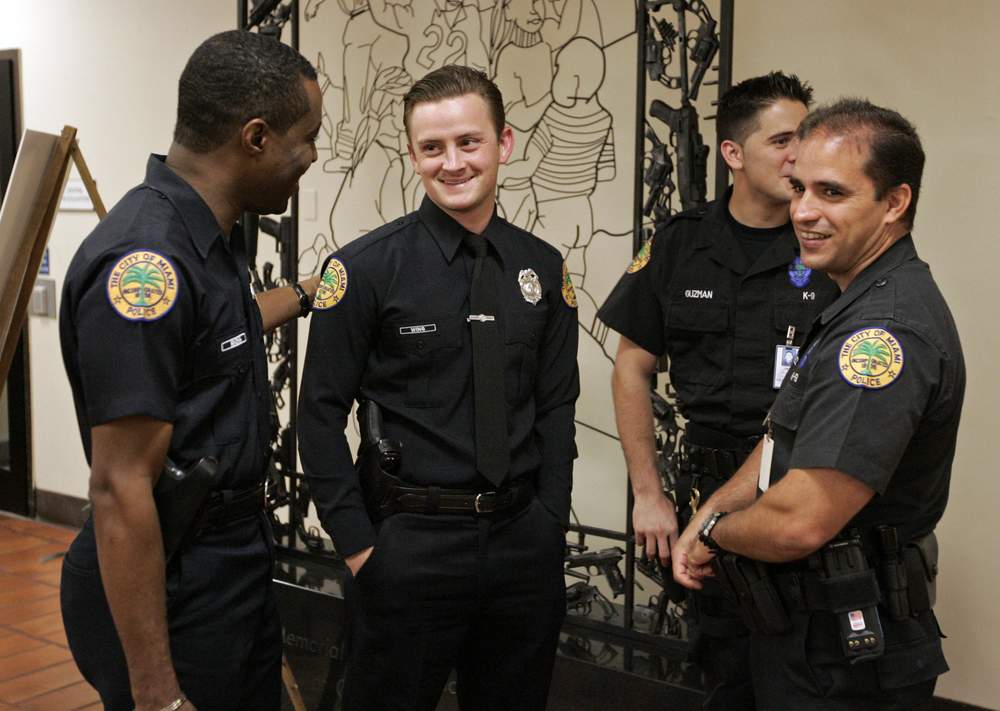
(604, 562)
(692, 153)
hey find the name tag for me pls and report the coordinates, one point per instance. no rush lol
(234, 342)
(413, 330)
(784, 358)
(766, 454)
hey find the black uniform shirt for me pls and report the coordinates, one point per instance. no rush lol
(157, 320)
(396, 333)
(877, 394)
(717, 317)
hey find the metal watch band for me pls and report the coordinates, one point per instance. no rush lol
(705, 534)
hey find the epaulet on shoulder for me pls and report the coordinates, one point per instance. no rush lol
(357, 246)
(537, 240)
(695, 213)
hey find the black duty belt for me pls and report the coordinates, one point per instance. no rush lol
(228, 505)
(404, 498)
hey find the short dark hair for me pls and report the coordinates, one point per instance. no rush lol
(450, 81)
(234, 77)
(895, 155)
(736, 117)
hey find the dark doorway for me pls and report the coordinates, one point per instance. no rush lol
(16, 491)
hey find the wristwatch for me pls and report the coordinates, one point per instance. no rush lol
(305, 305)
(705, 533)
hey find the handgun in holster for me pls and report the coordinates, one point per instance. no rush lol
(378, 461)
(180, 496)
(907, 573)
(749, 583)
(852, 592)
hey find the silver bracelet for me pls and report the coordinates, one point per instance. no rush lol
(175, 704)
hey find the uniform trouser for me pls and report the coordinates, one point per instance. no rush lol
(806, 669)
(722, 647)
(225, 636)
(482, 595)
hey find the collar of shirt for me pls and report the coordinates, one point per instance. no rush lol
(899, 253)
(194, 211)
(449, 234)
(718, 235)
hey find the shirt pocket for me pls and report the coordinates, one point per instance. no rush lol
(697, 341)
(220, 386)
(522, 337)
(425, 348)
(793, 313)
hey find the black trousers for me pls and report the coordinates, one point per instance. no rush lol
(805, 668)
(482, 595)
(722, 646)
(225, 636)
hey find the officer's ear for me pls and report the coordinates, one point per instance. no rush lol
(897, 202)
(253, 136)
(732, 153)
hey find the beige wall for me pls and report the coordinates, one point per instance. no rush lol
(109, 68)
(937, 64)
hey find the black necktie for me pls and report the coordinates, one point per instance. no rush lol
(492, 455)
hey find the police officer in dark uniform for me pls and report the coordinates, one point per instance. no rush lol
(722, 293)
(163, 347)
(461, 329)
(855, 472)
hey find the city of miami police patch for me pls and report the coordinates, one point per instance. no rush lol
(568, 293)
(871, 358)
(641, 257)
(142, 286)
(332, 285)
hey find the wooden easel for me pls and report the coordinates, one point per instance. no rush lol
(17, 291)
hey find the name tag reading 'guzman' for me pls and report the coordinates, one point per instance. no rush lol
(414, 330)
(234, 342)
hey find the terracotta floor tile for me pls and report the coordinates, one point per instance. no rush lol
(36, 683)
(51, 576)
(38, 559)
(29, 609)
(15, 644)
(70, 697)
(40, 626)
(35, 591)
(32, 660)
(57, 637)
(11, 542)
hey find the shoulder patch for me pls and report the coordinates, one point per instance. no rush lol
(871, 358)
(332, 285)
(799, 273)
(142, 286)
(641, 257)
(568, 293)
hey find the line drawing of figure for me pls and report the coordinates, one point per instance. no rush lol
(570, 150)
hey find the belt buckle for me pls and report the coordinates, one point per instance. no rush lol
(479, 504)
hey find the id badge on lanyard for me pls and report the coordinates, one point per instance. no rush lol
(784, 358)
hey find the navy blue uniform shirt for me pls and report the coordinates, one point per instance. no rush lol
(389, 325)
(693, 295)
(157, 320)
(877, 394)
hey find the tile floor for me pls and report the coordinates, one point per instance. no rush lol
(37, 672)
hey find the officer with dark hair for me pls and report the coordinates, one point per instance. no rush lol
(721, 293)
(836, 556)
(461, 330)
(162, 343)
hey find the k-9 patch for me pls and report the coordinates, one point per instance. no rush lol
(332, 285)
(142, 286)
(871, 358)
